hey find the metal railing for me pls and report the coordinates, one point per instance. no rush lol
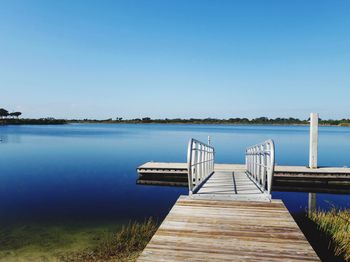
(260, 164)
(200, 161)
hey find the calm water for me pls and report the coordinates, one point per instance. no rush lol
(87, 173)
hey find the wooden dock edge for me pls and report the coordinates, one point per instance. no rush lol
(225, 234)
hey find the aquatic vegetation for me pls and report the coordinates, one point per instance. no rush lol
(335, 223)
(124, 245)
(47, 242)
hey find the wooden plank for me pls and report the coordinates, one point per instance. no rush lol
(163, 171)
(306, 170)
(227, 230)
(163, 165)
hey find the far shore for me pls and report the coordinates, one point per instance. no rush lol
(29, 121)
(198, 123)
(208, 121)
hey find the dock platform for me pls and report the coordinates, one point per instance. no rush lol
(228, 230)
(286, 178)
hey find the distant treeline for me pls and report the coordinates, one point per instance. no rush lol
(4, 114)
(12, 118)
(244, 121)
(30, 121)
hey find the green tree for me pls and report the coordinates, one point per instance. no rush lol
(16, 114)
(3, 113)
(146, 119)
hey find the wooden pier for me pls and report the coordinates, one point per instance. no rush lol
(228, 230)
(228, 219)
(229, 214)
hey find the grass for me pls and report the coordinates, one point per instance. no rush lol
(336, 224)
(124, 245)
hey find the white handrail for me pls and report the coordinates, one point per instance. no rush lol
(200, 161)
(260, 164)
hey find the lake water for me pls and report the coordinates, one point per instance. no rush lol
(83, 176)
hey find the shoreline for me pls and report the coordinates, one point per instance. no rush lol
(198, 123)
(260, 121)
(29, 121)
(223, 123)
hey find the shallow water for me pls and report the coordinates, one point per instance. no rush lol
(78, 175)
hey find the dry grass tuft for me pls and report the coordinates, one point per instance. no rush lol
(125, 245)
(335, 223)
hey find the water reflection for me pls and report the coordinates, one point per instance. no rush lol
(5, 138)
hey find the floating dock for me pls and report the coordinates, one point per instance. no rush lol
(285, 178)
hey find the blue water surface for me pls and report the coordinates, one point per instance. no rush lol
(85, 172)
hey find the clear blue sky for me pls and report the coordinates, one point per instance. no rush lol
(101, 59)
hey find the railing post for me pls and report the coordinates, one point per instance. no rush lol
(247, 159)
(207, 159)
(201, 160)
(271, 166)
(210, 160)
(261, 164)
(264, 165)
(251, 161)
(189, 165)
(205, 162)
(195, 159)
(256, 162)
(213, 159)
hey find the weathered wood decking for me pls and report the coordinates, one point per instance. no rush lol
(228, 219)
(228, 230)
